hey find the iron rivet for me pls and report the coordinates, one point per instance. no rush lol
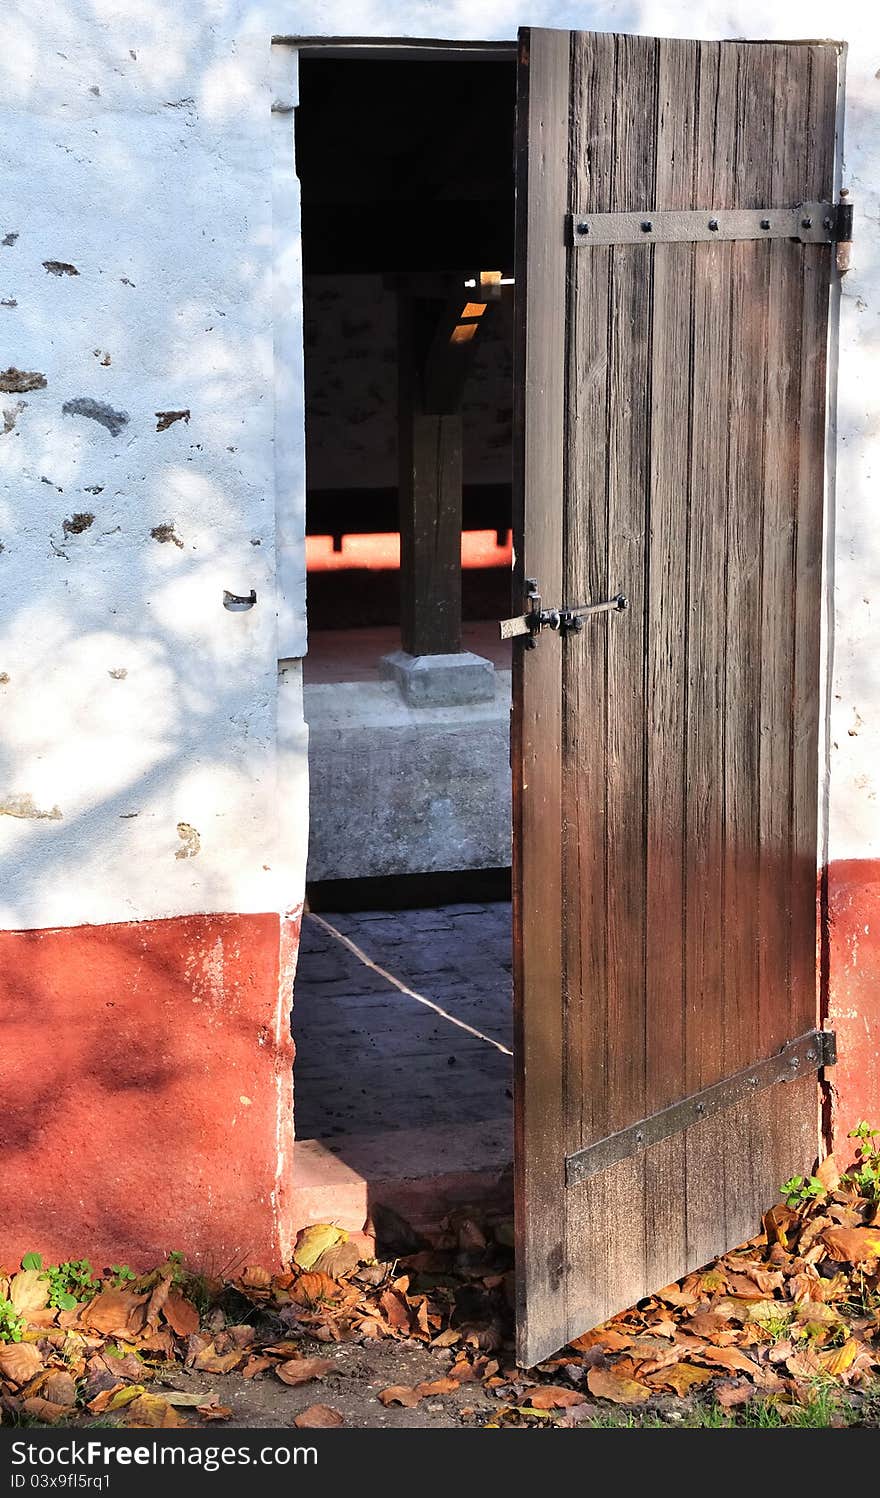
(701, 1107)
(713, 223)
(827, 223)
(795, 1062)
(807, 222)
(647, 226)
(583, 227)
(811, 1055)
(765, 223)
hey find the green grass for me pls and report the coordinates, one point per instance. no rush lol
(824, 1408)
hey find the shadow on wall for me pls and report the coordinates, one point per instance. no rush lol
(138, 738)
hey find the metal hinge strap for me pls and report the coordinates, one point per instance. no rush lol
(810, 1052)
(811, 223)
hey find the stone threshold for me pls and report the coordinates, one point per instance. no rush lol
(423, 1174)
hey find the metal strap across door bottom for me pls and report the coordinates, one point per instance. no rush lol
(810, 1052)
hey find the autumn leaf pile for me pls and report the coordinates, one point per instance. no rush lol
(796, 1307)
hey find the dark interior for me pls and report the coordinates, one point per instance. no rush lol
(405, 168)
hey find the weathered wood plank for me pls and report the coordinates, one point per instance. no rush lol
(585, 691)
(429, 489)
(666, 644)
(536, 749)
(706, 651)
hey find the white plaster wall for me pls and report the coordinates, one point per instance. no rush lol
(136, 143)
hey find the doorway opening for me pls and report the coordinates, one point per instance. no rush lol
(402, 1006)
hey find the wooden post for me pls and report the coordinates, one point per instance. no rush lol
(429, 486)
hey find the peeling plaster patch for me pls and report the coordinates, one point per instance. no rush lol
(10, 238)
(118, 673)
(166, 532)
(60, 268)
(25, 806)
(8, 301)
(165, 419)
(93, 489)
(189, 837)
(77, 523)
(125, 281)
(4, 678)
(98, 411)
(104, 357)
(16, 381)
(95, 90)
(11, 415)
(126, 816)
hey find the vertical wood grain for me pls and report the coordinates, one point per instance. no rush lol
(536, 744)
(675, 889)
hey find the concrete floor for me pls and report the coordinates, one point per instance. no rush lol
(371, 1058)
(354, 654)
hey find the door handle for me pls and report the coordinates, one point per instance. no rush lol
(564, 621)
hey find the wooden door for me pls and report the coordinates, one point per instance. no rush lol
(670, 447)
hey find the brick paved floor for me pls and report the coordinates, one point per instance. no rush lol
(371, 1058)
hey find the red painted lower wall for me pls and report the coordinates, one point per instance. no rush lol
(852, 956)
(146, 1091)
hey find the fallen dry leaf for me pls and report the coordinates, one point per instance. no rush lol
(340, 1260)
(314, 1241)
(312, 1288)
(214, 1411)
(124, 1394)
(682, 1378)
(182, 1400)
(852, 1245)
(731, 1395)
(60, 1388)
(209, 1360)
(437, 1386)
(553, 1397)
(708, 1324)
(396, 1310)
(256, 1278)
(255, 1366)
(181, 1314)
(19, 1361)
(115, 1312)
(151, 1410)
(29, 1291)
(157, 1299)
(302, 1370)
(729, 1357)
(44, 1409)
(606, 1384)
(318, 1417)
(827, 1174)
(399, 1394)
(837, 1360)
